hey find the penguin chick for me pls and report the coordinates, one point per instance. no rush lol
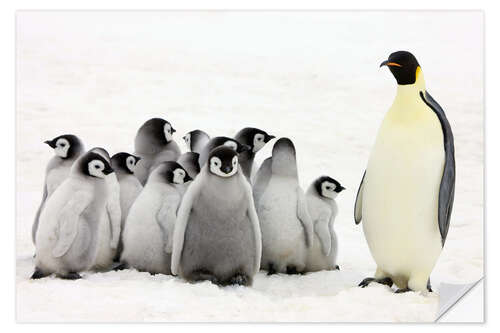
(67, 149)
(221, 141)
(67, 236)
(256, 139)
(109, 229)
(189, 161)
(322, 255)
(130, 187)
(154, 144)
(147, 238)
(287, 230)
(217, 234)
(196, 140)
(262, 180)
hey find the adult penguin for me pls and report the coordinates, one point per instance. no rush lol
(406, 194)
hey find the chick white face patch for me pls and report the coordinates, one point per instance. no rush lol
(187, 140)
(62, 147)
(258, 142)
(231, 144)
(168, 132)
(216, 164)
(179, 176)
(131, 163)
(96, 168)
(328, 190)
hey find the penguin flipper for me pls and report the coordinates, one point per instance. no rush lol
(262, 179)
(34, 228)
(447, 186)
(304, 217)
(254, 219)
(181, 221)
(358, 206)
(166, 219)
(67, 228)
(322, 230)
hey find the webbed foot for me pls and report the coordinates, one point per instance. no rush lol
(386, 281)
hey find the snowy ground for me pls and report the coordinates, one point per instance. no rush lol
(311, 76)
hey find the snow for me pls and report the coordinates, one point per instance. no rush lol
(311, 76)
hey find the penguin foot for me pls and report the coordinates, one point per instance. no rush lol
(337, 267)
(239, 279)
(121, 267)
(404, 290)
(386, 281)
(292, 270)
(71, 276)
(270, 269)
(38, 274)
(204, 275)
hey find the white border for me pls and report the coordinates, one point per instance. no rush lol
(492, 25)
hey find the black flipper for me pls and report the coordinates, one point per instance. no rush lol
(447, 187)
(358, 205)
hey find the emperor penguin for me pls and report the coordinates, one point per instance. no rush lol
(124, 165)
(66, 242)
(154, 144)
(287, 229)
(221, 141)
(256, 139)
(189, 161)
(322, 255)
(196, 140)
(147, 237)
(406, 195)
(67, 149)
(262, 179)
(217, 234)
(109, 230)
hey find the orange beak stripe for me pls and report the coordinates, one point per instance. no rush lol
(394, 64)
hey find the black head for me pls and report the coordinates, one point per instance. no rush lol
(191, 138)
(328, 187)
(93, 164)
(284, 159)
(228, 142)
(223, 161)
(66, 146)
(253, 137)
(124, 162)
(173, 173)
(403, 66)
(158, 131)
(102, 152)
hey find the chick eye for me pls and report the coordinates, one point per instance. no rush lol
(97, 167)
(328, 188)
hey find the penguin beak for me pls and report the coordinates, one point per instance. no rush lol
(187, 178)
(389, 64)
(269, 138)
(227, 169)
(173, 130)
(341, 188)
(50, 143)
(137, 159)
(107, 170)
(244, 148)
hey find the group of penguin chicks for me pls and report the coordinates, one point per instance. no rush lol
(201, 215)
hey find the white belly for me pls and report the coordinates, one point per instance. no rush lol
(401, 192)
